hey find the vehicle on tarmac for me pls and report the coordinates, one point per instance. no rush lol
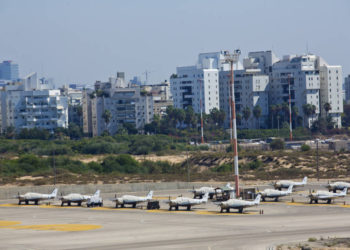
(199, 192)
(186, 202)
(339, 185)
(131, 199)
(35, 197)
(95, 200)
(77, 198)
(285, 183)
(238, 204)
(274, 193)
(325, 195)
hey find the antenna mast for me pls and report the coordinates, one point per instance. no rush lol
(233, 58)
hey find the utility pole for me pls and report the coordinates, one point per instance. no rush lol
(290, 112)
(201, 109)
(317, 164)
(233, 58)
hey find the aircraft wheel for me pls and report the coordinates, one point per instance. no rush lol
(27, 202)
(310, 201)
(240, 210)
(177, 208)
(276, 199)
(221, 210)
(101, 204)
(316, 201)
(122, 205)
(329, 201)
(188, 208)
(68, 203)
(116, 205)
(36, 202)
(19, 202)
(263, 199)
(211, 196)
(170, 208)
(227, 210)
(134, 205)
(334, 190)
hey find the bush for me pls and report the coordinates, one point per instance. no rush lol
(255, 164)
(223, 168)
(277, 144)
(122, 164)
(305, 148)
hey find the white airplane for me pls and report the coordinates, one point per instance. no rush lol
(274, 193)
(186, 202)
(285, 184)
(238, 204)
(131, 199)
(35, 197)
(339, 185)
(325, 195)
(77, 198)
(199, 192)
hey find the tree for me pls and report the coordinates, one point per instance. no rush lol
(257, 113)
(277, 144)
(307, 110)
(327, 106)
(295, 114)
(217, 116)
(106, 116)
(272, 112)
(190, 118)
(246, 113)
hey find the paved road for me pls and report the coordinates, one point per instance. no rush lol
(136, 228)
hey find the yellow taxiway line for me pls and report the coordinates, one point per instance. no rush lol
(317, 204)
(50, 227)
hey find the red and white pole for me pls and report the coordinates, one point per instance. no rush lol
(234, 140)
(290, 112)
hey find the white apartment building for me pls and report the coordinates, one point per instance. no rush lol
(250, 89)
(331, 91)
(125, 104)
(200, 83)
(32, 104)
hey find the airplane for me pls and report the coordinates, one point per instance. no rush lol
(131, 199)
(273, 193)
(339, 185)
(238, 204)
(35, 197)
(77, 198)
(325, 195)
(186, 202)
(199, 192)
(285, 184)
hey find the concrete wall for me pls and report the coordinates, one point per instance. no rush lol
(10, 192)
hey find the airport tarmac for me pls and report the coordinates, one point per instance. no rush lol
(56, 227)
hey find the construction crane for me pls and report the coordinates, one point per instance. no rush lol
(233, 58)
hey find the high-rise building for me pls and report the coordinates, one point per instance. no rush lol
(9, 71)
(29, 104)
(347, 88)
(113, 104)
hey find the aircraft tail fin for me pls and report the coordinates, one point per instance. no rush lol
(304, 180)
(97, 193)
(54, 193)
(150, 195)
(205, 197)
(290, 189)
(344, 192)
(257, 199)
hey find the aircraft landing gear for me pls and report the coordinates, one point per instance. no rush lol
(36, 202)
(329, 201)
(221, 210)
(188, 208)
(310, 201)
(134, 205)
(27, 202)
(170, 207)
(211, 196)
(122, 205)
(227, 210)
(177, 208)
(68, 203)
(276, 199)
(240, 210)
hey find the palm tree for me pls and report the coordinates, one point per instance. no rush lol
(106, 116)
(308, 111)
(327, 106)
(257, 113)
(246, 113)
(272, 114)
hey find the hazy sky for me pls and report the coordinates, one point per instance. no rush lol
(81, 41)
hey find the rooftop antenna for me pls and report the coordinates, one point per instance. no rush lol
(147, 73)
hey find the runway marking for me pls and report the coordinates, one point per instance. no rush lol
(317, 204)
(41, 206)
(218, 213)
(170, 212)
(59, 227)
(7, 223)
(116, 209)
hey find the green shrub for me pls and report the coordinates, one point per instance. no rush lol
(305, 148)
(277, 144)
